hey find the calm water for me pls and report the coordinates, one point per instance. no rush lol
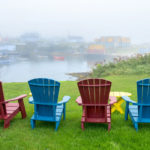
(24, 71)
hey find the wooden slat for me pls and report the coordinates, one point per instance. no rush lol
(11, 108)
(108, 119)
(12, 105)
(96, 85)
(96, 120)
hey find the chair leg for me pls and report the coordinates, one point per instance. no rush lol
(6, 123)
(22, 109)
(109, 126)
(33, 122)
(64, 112)
(126, 111)
(57, 125)
(82, 125)
(136, 126)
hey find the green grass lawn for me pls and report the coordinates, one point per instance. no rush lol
(20, 136)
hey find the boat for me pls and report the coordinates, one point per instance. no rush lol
(60, 58)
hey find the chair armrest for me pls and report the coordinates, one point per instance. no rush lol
(64, 100)
(113, 100)
(79, 100)
(31, 100)
(15, 99)
(127, 99)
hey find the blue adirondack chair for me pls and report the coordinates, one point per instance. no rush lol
(45, 99)
(139, 111)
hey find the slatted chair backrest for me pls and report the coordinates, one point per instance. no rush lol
(45, 91)
(94, 91)
(143, 96)
(3, 108)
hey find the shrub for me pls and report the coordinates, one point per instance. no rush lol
(136, 65)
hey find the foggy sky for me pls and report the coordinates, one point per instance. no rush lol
(87, 18)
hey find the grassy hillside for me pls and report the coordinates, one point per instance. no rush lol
(20, 136)
(133, 66)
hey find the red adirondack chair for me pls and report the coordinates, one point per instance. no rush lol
(10, 110)
(94, 100)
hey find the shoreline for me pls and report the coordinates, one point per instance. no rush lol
(80, 75)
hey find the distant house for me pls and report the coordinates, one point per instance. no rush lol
(96, 49)
(30, 37)
(144, 51)
(6, 51)
(114, 41)
(75, 39)
(7, 47)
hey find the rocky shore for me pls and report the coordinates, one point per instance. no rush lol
(81, 75)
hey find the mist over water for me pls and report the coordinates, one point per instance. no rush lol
(47, 38)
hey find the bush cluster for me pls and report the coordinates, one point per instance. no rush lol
(136, 65)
